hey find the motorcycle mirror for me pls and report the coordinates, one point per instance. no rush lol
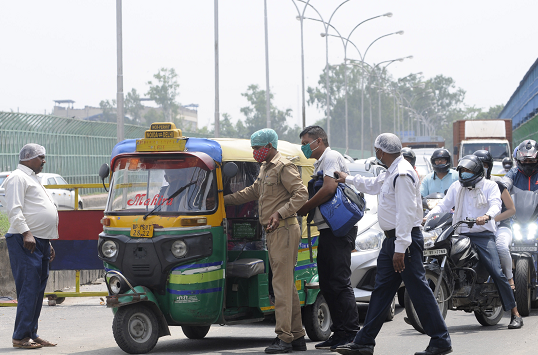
(230, 169)
(104, 172)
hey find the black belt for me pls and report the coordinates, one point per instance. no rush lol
(392, 233)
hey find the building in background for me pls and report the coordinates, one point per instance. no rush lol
(522, 107)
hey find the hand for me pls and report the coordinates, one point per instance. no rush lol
(424, 220)
(482, 220)
(52, 254)
(302, 212)
(398, 262)
(341, 177)
(274, 221)
(28, 241)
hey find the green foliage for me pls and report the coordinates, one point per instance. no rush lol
(4, 224)
(109, 110)
(164, 91)
(133, 107)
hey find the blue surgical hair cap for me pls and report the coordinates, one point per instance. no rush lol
(263, 137)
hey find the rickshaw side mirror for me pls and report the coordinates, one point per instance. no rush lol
(104, 171)
(230, 169)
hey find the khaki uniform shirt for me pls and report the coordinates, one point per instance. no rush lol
(278, 188)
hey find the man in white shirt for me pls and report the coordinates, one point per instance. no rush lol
(33, 222)
(334, 253)
(400, 258)
(480, 198)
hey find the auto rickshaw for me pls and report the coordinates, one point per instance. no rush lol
(174, 255)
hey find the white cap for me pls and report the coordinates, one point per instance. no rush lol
(389, 143)
(31, 151)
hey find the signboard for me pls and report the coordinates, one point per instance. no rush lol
(161, 145)
(244, 230)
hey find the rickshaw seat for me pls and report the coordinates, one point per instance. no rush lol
(245, 268)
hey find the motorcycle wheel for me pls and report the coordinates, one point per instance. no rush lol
(488, 318)
(135, 328)
(522, 277)
(317, 320)
(412, 315)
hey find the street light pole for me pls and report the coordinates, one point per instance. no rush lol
(216, 25)
(267, 90)
(119, 95)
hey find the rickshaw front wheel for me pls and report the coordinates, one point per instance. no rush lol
(317, 319)
(135, 329)
(195, 332)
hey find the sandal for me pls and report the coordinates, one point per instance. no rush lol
(512, 284)
(44, 343)
(25, 343)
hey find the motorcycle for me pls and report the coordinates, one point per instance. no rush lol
(524, 249)
(430, 201)
(457, 278)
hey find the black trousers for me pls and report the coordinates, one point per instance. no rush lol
(388, 281)
(334, 270)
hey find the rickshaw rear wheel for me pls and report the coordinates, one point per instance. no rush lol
(317, 319)
(195, 332)
(135, 329)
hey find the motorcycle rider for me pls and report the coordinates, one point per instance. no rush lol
(410, 156)
(442, 176)
(508, 164)
(503, 235)
(525, 175)
(479, 198)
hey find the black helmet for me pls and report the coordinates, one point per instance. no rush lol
(461, 253)
(485, 157)
(474, 164)
(527, 150)
(441, 153)
(508, 163)
(409, 155)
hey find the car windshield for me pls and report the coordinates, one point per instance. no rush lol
(2, 179)
(142, 183)
(497, 150)
(423, 165)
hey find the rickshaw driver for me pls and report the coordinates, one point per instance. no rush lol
(280, 193)
(176, 179)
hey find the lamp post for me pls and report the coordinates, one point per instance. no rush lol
(119, 95)
(267, 90)
(216, 25)
(326, 25)
(345, 42)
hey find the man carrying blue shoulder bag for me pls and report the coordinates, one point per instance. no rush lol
(334, 253)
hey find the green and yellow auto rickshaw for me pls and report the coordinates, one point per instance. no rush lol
(174, 255)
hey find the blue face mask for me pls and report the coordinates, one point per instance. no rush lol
(466, 175)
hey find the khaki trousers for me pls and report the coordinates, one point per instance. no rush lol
(283, 245)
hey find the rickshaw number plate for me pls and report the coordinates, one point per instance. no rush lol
(434, 252)
(525, 248)
(142, 230)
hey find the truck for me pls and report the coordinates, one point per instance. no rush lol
(493, 135)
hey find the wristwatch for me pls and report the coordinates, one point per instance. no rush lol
(489, 217)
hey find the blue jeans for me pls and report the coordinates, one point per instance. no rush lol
(486, 248)
(387, 282)
(31, 272)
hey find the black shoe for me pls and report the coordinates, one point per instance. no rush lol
(355, 349)
(432, 350)
(333, 340)
(299, 344)
(515, 322)
(279, 347)
(348, 339)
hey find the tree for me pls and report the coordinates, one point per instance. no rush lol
(134, 107)
(165, 91)
(109, 110)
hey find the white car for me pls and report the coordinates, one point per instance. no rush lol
(368, 242)
(62, 198)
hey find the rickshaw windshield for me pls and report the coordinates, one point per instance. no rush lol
(142, 183)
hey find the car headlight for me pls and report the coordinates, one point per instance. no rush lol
(109, 249)
(369, 240)
(179, 249)
(517, 232)
(432, 202)
(531, 231)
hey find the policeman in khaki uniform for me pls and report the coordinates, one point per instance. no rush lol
(280, 193)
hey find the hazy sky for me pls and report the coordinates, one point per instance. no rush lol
(67, 49)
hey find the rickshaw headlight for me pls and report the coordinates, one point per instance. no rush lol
(109, 249)
(179, 249)
(115, 285)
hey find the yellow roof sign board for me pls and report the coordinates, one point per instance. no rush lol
(160, 145)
